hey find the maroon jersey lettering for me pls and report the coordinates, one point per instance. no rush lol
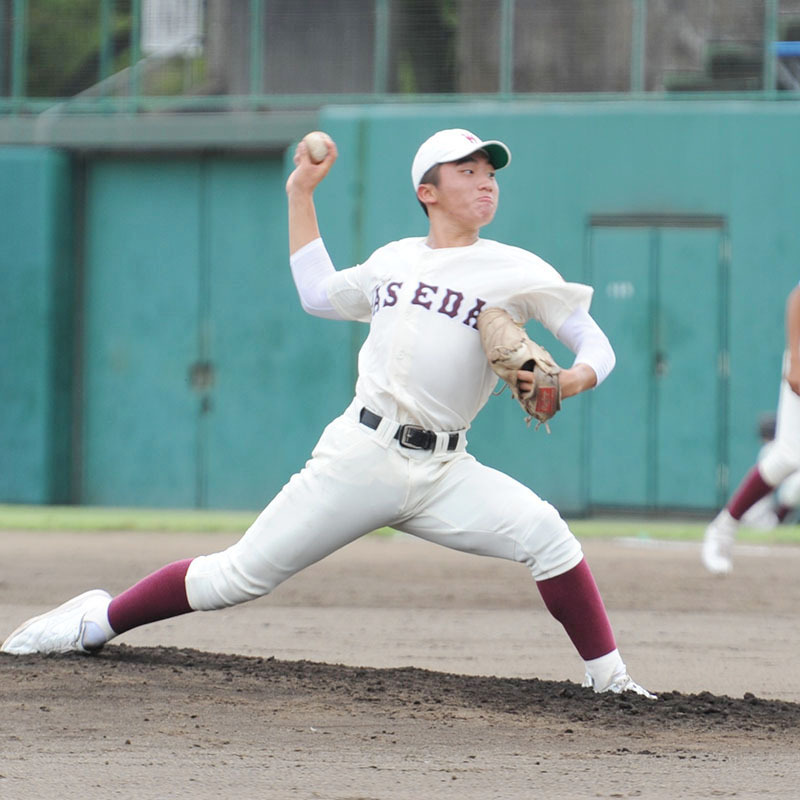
(472, 318)
(422, 293)
(452, 299)
(391, 288)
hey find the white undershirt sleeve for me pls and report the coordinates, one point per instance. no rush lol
(586, 339)
(311, 267)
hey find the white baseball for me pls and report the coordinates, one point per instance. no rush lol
(317, 145)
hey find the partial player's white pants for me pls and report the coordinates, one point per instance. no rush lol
(782, 457)
(359, 480)
(788, 492)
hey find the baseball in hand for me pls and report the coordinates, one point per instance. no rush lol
(317, 145)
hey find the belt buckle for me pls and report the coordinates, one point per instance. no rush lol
(406, 432)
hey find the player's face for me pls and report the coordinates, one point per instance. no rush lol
(468, 191)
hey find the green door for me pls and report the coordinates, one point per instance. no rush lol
(619, 432)
(280, 375)
(655, 435)
(689, 360)
(141, 311)
(205, 384)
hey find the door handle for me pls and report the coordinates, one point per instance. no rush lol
(201, 376)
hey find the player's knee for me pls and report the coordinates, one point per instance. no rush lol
(550, 546)
(779, 463)
(219, 581)
(789, 491)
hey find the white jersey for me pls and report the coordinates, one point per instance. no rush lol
(422, 362)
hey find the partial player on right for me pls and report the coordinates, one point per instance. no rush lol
(776, 508)
(775, 463)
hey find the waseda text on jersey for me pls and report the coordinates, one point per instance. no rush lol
(448, 302)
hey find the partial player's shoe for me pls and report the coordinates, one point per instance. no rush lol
(622, 684)
(717, 549)
(60, 630)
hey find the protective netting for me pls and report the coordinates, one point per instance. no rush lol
(260, 48)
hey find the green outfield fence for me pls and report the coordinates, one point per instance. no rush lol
(79, 56)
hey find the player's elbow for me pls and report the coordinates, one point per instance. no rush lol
(310, 308)
(319, 309)
(612, 359)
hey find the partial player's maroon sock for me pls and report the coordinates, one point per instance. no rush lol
(158, 596)
(574, 600)
(781, 512)
(750, 491)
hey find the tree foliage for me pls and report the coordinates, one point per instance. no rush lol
(64, 42)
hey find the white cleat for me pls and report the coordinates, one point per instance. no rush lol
(60, 630)
(717, 550)
(619, 686)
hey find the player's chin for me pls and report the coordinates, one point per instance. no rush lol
(486, 211)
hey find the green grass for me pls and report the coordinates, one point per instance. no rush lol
(673, 530)
(91, 518)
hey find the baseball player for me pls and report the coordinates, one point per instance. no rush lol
(776, 462)
(397, 455)
(775, 508)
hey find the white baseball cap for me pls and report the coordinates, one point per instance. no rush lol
(451, 145)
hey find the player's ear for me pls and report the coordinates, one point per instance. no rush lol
(426, 193)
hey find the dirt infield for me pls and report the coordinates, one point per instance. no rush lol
(395, 670)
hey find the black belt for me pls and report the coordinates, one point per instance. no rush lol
(411, 436)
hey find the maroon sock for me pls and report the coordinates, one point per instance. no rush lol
(750, 491)
(781, 512)
(574, 600)
(158, 596)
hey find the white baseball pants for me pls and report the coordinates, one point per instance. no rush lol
(359, 480)
(782, 457)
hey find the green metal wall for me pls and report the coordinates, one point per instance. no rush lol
(36, 344)
(200, 381)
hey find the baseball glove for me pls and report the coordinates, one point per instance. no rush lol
(509, 349)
